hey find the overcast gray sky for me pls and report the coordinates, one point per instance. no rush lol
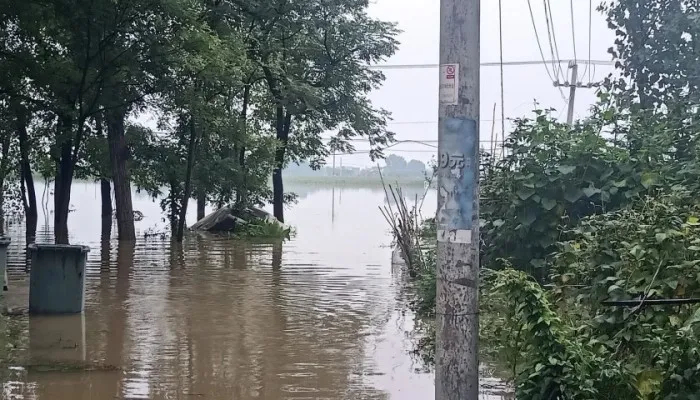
(411, 94)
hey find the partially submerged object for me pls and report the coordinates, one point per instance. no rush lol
(57, 278)
(231, 220)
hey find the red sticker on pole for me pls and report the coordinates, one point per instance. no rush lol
(449, 84)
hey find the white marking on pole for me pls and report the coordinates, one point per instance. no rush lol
(454, 235)
(449, 84)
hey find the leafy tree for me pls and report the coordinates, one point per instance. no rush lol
(315, 60)
(656, 51)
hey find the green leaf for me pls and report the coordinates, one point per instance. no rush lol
(566, 169)
(590, 191)
(613, 288)
(648, 179)
(548, 204)
(573, 194)
(660, 237)
(694, 319)
(649, 383)
(525, 193)
(527, 217)
(620, 184)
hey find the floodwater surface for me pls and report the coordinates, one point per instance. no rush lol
(321, 316)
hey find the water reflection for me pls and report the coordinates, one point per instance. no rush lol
(319, 316)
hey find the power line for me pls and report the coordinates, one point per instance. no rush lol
(537, 36)
(551, 34)
(500, 47)
(590, 29)
(573, 30)
(487, 64)
(434, 122)
(549, 17)
(549, 39)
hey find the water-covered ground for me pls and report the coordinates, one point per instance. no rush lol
(321, 316)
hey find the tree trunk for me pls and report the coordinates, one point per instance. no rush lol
(242, 192)
(64, 180)
(174, 211)
(119, 154)
(62, 188)
(283, 123)
(29, 200)
(201, 205)
(4, 170)
(106, 194)
(188, 180)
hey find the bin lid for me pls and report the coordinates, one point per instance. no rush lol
(58, 247)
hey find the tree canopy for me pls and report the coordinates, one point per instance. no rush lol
(240, 89)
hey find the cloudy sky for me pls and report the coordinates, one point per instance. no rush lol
(411, 93)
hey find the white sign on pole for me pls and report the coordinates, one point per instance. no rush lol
(449, 84)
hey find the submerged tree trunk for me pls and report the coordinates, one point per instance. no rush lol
(191, 149)
(64, 180)
(201, 205)
(106, 195)
(27, 179)
(174, 211)
(119, 154)
(4, 169)
(283, 123)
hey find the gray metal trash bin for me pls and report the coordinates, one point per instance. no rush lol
(57, 278)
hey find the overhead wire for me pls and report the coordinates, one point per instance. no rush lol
(556, 64)
(573, 29)
(551, 35)
(537, 36)
(500, 44)
(554, 37)
(483, 64)
(588, 68)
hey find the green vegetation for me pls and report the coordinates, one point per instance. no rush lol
(590, 235)
(240, 89)
(264, 229)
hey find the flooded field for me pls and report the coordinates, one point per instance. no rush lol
(321, 316)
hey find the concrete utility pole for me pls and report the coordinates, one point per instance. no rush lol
(456, 358)
(572, 92)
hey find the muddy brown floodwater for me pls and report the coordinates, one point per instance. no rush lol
(322, 316)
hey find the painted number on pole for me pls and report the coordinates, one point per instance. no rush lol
(449, 84)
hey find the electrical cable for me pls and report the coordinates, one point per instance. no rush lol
(573, 31)
(554, 37)
(537, 36)
(483, 64)
(590, 23)
(500, 44)
(556, 63)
